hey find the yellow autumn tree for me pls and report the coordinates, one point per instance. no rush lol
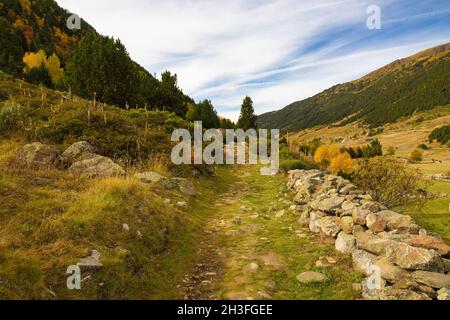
(51, 63)
(342, 162)
(326, 153)
(53, 66)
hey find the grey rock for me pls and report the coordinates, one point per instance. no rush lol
(444, 294)
(37, 155)
(432, 279)
(91, 262)
(76, 150)
(94, 165)
(311, 276)
(149, 177)
(328, 226)
(345, 243)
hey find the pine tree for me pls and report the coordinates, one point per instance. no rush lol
(247, 119)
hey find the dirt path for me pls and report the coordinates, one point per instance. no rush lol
(253, 248)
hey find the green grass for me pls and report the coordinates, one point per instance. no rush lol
(435, 215)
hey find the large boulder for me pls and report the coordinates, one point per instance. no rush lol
(432, 279)
(345, 243)
(375, 222)
(328, 226)
(391, 272)
(75, 151)
(364, 261)
(413, 258)
(346, 224)
(93, 165)
(314, 216)
(429, 242)
(396, 221)
(38, 155)
(330, 205)
(360, 216)
(374, 244)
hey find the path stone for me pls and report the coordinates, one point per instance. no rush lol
(311, 276)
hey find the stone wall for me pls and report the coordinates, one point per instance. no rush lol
(399, 259)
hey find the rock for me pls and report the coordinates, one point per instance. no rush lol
(360, 215)
(345, 243)
(391, 272)
(182, 204)
(149, 177)
(375, 223)
(358, 229)
(444, 294)
(345, 190)
(37, 155)
(371, 206)
(93, 165)
(395, 221)
(252, 267)
(364, 261)
(311, 276)
(366, 197)
(374, 244)
(330, 205)
(399, 294)
(346, 224)
(91, 262)
(304, 218)
(410, 284)
(280, 214)
(328, 226)
(125, 227)
(347, 208)
(313, 217)
(75, 151)
(432, 279)
(429, 242)
(368, 291)
(185, 186)
(357, 287)
(413, 258)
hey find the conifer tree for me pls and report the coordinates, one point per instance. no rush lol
(247, 119)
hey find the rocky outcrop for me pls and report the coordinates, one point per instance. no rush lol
(93, 165)
(75, 151)
(38, 155)
(408, 263)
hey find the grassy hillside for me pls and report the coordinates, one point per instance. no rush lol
(50, 218)
(417, 83)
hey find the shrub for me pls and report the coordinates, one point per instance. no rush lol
(423, 146)
(389, 181)
(390, 151)
(416, 156)
(288, 165)
(324, 154)
(342, 163)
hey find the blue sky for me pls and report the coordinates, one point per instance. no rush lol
(276, 51)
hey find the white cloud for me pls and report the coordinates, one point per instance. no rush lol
(218, 47)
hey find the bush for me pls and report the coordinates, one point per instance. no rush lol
(342, 163)
(390, 151)
(416, 156)
(389, 181)
(423, 146)
(288, 165)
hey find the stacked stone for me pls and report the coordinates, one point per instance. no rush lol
(412, 264)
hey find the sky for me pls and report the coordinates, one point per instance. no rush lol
(275, 51)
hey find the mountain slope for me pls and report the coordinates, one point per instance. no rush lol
(401, 88)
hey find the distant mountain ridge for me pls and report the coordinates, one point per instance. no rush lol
(401, 88)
